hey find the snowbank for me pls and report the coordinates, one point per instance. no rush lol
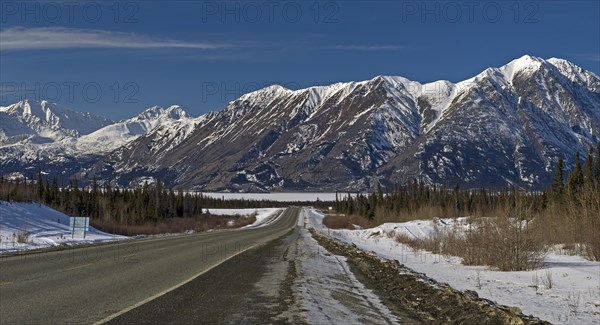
(45, 227)
(574, 297)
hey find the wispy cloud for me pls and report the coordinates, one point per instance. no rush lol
(594, 58)
(19, 38)
(47, 38)
(366, 47)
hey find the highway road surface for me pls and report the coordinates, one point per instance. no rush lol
(102, 283)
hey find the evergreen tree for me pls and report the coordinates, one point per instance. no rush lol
(350, 206)
(597, 166)
(588, 169)
(575, 180)
(557, 187)
(47, 199)
(54, 192)
(379, 192)
(371, 206)
(40, 186)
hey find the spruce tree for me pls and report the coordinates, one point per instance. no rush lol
(47, 199)
(558, 186)
(40, 186)
(379, 192)
(597, 166)
(350, 206)
(55, 191)
(575, 180)
(588, 169)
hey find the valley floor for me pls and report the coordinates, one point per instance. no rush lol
(296, 280)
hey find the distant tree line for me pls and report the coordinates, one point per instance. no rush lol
(424, 201)
(416, 198)
(149, 203)
(567, 213)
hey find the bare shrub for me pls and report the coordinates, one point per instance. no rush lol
(573, 300)
(506, 241)
(535, 281)
(415, 243)
(347, 222)
(428, 243)
(23, 236)
(575, 222)
(424, 212)
(406, 239)
(390, 233)
(548, 281)
(478, 279)
(590, 212)
(174, 225)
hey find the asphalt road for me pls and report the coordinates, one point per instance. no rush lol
(248, 289)
(97, 284)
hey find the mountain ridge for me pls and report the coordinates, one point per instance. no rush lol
(505, 126)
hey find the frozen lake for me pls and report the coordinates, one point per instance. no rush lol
(281, 197)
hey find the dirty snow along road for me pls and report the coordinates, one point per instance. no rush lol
(291, 280)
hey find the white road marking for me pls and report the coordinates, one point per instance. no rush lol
(119, 313)
(123, 311)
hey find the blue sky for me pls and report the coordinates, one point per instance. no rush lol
(202, 54)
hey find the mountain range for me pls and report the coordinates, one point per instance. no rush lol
(505, 126)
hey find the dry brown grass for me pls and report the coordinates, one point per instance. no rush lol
(422, 213)
(504, 242)
(516, 237)
(575, 224)
(174, 225)
(347, 222)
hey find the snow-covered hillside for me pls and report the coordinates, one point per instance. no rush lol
(45, 227)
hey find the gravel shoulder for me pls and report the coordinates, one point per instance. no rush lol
(422, 298)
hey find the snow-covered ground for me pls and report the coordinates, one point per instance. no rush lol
(263, 216)
(330, 292)
(573, 299)
(46, 228)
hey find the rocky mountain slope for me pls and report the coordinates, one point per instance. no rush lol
(507, 125)
(40, 135)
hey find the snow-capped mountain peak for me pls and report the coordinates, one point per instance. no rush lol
(174, 112)
(576, 74)
(33, 131)
(44, 116)
(123, 132)
(265, 93)
(525, 64)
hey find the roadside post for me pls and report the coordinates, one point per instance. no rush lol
(79, 223)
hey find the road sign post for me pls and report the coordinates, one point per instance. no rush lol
(79, 223)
